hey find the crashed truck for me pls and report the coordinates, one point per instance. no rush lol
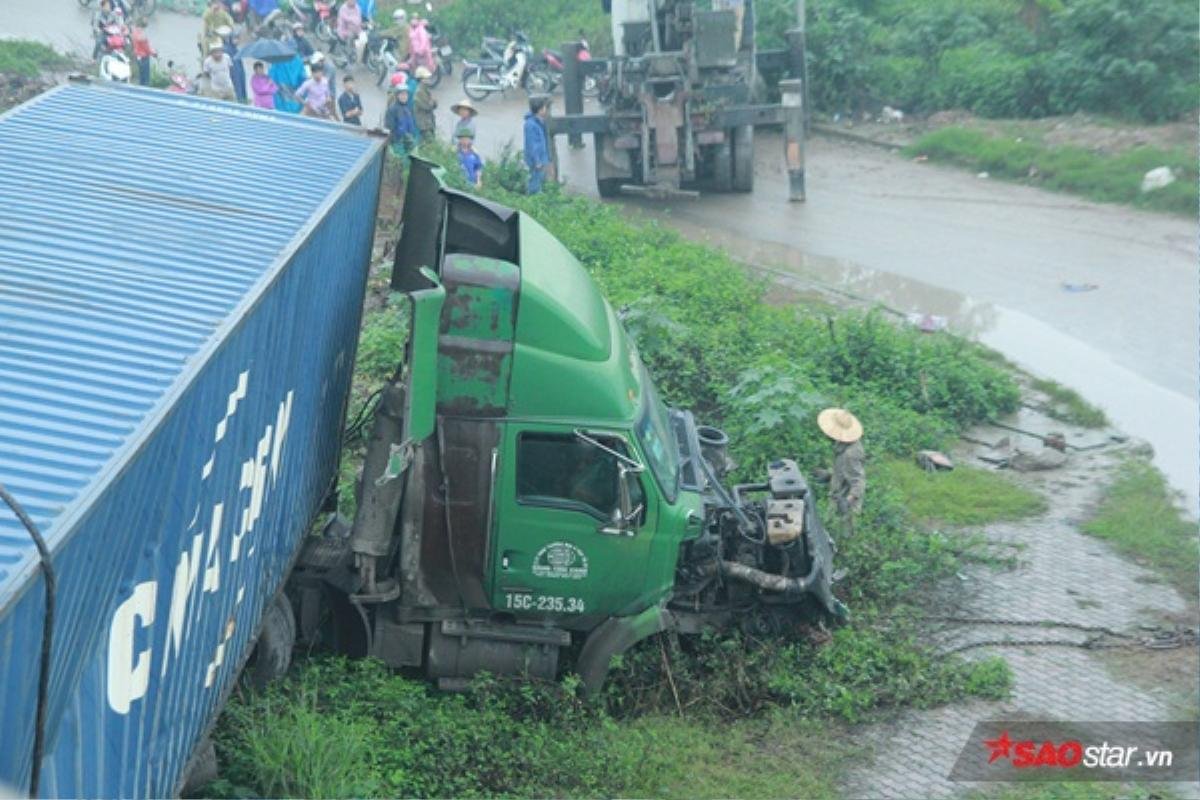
(681, 97)
(175, 371)
(525, 488)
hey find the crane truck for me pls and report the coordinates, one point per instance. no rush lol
(682, 95)
(526, 489)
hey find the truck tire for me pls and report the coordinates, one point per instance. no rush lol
(273, 651)
(202, 770)
(606, 187)
(743, 158)
(722, 166)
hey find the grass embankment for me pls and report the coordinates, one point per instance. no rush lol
(1105, 178)
(963, 496)
(680, 716)
(29, 59)
(1067, 405)
(1140, 517)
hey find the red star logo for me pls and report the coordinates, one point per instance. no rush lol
(1001, 747)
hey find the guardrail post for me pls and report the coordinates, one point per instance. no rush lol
(572, 87)
(792, 100)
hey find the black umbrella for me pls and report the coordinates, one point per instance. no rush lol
(268, 50)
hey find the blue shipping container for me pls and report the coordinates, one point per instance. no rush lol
(180, 294)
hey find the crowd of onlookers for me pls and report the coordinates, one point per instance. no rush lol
(300, 79)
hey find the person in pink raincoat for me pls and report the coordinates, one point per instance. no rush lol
(262, 87)
(420, 44)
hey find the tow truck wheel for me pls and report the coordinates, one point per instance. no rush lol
(722, 166)
(743, 159)
(607, 187)
(273, 651)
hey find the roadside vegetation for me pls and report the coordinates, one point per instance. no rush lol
(29, 59)
(962, 496)
(1140, 516)
(680, 715)
(1067, 405)
(1096, 176)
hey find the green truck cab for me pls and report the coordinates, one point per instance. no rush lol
(526, 488)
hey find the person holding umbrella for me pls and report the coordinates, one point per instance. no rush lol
(276, 88)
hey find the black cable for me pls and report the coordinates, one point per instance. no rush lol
(360, 419)
(39, 730)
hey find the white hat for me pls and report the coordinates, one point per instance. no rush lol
(840, 425)
(217, 45)
(317, 58)
(422, 73)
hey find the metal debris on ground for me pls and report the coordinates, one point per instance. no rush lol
(932, 460)
(1101, 638)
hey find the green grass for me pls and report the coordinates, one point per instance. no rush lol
(1067, 405)
(27, 58)
(1139, 516)
(337, 728)
(962, 496)
(1104, 178)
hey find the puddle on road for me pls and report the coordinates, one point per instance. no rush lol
(1168, 420)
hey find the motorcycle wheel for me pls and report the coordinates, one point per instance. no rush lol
(146, 7)
(473, 78)
(370, 61)
(325, 33)
(538, 82)
(437, 75)
(447, 66)
(382, 70)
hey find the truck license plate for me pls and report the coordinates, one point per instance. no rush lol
(542, 602)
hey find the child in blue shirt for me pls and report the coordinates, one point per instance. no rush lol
(469, 160)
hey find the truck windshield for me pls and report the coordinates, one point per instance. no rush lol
(654, 434)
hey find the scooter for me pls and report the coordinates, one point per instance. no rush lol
(179, 83)
(483, 78)
(114, 63)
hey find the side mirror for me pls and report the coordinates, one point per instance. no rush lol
(628, 511)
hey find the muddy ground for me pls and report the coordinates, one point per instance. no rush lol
(1057, 574)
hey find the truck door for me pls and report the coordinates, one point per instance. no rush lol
(560, 543)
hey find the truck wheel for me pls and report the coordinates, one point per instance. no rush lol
(722, 167)
(743, 159)
(202, 770)
(607, 187)
(273, 651)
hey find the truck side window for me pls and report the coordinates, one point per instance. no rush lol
(560, 470)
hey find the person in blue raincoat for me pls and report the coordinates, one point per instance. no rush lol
(288, 75)
(537, 143)
(400, 122)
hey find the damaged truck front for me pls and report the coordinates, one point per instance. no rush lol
(525, 488)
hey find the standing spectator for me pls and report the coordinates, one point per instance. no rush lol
(316, 94)
(537, 143)
(469, 160)
(237, 69)
(368, 9)
(287, 75)
(397, 32)
(425, 105)
(350, 104)
(142, 51)
(263, 87)
(466, 118)
(399, 120)
(219, 70)
(848, 480)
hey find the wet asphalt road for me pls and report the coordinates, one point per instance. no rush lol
(992, 257)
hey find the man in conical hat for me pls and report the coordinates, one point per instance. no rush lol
(848, 482)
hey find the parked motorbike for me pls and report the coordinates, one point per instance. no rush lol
(485, 77)
(178, 81)
(443, 54)
(114, 63)
(318, 18)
